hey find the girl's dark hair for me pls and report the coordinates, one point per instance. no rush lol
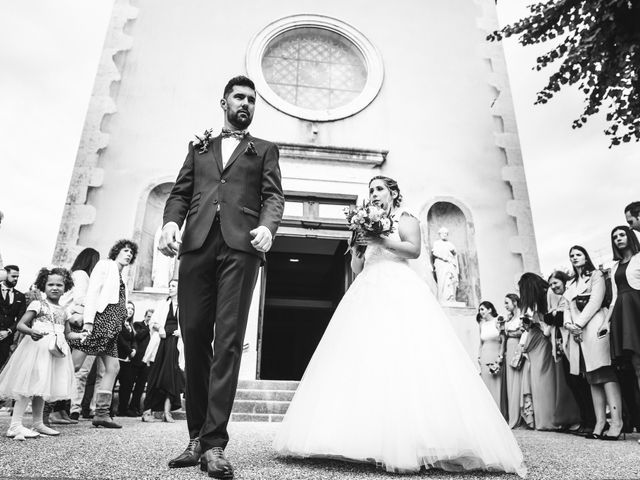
(515, 299)
(86, 260)
(588, 268)
(533, 292)
(124, 243)
(632, 242)
(43, 275)
(560, 275)
(489, 306)
(392, 185)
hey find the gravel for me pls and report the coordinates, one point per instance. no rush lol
(141, 451)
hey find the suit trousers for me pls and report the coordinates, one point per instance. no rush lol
(214, 293)
(5, 350)
(140, 372)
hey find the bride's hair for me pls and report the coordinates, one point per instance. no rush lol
(392, 185)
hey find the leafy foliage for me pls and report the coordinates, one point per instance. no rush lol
(598, 44)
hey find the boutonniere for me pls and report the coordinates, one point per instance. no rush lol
(204, 142)
(251, 149)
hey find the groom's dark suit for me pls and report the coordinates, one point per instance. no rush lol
(219, 268)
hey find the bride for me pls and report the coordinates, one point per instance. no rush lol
(389, 382)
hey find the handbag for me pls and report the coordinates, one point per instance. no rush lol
(56, 345)
(56, 342)
(581, 301)
(517, 360)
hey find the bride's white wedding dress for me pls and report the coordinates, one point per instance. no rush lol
(390, 383)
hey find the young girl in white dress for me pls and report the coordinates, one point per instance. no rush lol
(390, 383)
(41, 368)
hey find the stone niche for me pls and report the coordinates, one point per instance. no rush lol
(456, 218)
(154, 270)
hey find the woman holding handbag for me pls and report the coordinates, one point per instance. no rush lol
(589, 349)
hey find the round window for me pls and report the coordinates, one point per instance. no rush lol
(315, 68)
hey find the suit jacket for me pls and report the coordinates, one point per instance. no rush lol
(248, 192)
(592, 319)
(11, 313)
(126, 342)
(142, 339)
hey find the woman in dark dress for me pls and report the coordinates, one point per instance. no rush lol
(166, 379)
(105, 311)
(624, 313)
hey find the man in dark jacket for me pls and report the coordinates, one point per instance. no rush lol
(12, 308)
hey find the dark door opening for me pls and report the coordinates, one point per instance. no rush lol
(305, 280)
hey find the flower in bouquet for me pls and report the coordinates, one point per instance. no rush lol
(370, 220)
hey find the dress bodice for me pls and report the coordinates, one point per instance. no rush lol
(489, 331)
(377, 253)
(621, 279)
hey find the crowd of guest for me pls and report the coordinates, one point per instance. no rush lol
(565, 355)
(70, 347)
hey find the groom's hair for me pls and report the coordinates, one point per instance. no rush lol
(241, 81)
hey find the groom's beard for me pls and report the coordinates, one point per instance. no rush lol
(240, 122)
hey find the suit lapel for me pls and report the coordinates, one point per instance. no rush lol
(239, 149)
(217, 152)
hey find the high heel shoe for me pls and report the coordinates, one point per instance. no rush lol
(598, 436)
(613, 438)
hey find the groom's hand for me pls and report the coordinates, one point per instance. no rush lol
(262, 239)
(170, 239)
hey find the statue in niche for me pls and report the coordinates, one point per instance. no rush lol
(445, 265)
(162, 268)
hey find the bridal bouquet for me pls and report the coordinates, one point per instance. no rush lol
(494, 368)
(370, 220)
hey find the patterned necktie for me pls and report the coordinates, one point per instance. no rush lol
(237, 134)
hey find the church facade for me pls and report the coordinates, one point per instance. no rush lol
(409, 90)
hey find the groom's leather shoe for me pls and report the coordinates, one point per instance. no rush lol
(190, 457)
(214, 463)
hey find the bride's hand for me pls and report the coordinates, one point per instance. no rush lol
(369, 240)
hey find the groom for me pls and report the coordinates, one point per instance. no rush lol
(230, 194)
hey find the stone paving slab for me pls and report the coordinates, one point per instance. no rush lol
(141, 450)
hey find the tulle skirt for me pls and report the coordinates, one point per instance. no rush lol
(33, 371)
(391, 384)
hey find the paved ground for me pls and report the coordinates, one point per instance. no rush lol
(141, 450)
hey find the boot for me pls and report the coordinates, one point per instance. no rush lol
(103, 406)
(45, 414)
(65, 416)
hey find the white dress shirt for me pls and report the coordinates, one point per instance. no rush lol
(7, 291)
(228, 145)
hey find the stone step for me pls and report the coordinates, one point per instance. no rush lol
(267, 385)
(267, 395)
(256, 417)
(252, 406)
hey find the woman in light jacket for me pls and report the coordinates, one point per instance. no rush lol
(105, 311)
(589, 350)
(624, 314)
(165, 352)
